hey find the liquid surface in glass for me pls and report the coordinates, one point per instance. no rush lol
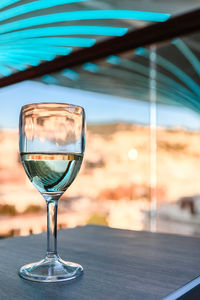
(51, 172)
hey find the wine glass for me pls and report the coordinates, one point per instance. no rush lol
(51, 143)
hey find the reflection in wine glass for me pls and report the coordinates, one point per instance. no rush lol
(52, 143)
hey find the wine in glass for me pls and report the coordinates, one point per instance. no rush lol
(51, 143)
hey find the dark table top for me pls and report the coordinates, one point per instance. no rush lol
(118, 264)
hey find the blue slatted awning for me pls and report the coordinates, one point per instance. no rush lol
(33, 32)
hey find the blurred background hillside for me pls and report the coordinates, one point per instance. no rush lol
(113, 186)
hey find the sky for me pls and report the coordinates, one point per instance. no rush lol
(99, 108)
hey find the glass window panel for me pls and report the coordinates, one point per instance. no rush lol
(178, 126)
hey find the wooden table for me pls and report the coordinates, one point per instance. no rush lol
(118, 264)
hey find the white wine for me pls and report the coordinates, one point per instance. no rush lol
(51, 172)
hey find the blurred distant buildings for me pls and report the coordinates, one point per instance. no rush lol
(112, 187)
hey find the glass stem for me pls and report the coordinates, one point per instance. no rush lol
(52, 206)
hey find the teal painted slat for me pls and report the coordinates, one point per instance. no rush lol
(5, 3)
(32, 49)
(51, 41)
(84, 15)
(189, 55)
(31, 7)
(64, 30)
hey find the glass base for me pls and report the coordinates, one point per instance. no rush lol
(51, 269)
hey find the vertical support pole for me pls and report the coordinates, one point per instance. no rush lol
(153, 141)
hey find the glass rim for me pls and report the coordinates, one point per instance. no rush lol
(30, 106)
